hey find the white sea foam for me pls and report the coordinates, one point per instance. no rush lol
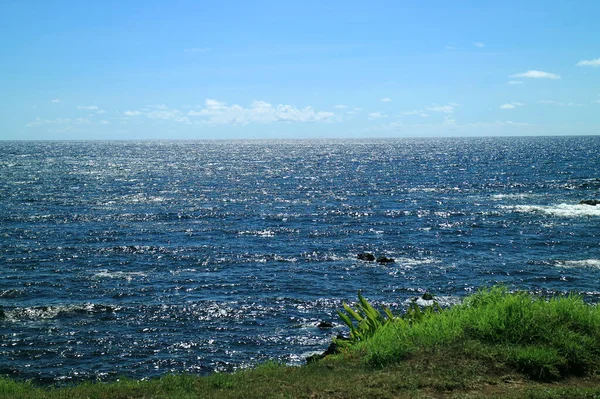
(259, 233)
(124, 275)
(592, 263)
(415, 262)
(560, 210)
(500, 197)
(51, 312)
(446, 300)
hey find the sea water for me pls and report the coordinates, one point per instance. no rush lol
(144, 258)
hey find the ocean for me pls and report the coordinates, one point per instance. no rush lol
(144, 258)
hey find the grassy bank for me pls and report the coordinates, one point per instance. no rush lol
(496, 344)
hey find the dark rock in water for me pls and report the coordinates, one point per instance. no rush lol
(2, 314)
(332, 349)
(366, 256)
(324, 324)
(427, 296)
(589, 202)
(383, 259)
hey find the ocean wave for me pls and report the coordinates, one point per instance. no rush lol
(591, 263)
(410, 262)
(444, 301)
(500, 197)
(55, 311)
(104, 273)
(12, 293)
(560, 210)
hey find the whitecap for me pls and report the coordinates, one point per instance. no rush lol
(592, 263)
(104, 273)
(446, 300)
(560, 210)
(500, 197)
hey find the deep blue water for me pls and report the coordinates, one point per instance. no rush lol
(143, 258)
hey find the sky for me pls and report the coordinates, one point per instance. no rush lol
(128, 69)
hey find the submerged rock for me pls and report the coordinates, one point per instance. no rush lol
(427, 296)
(366, 256)
(325, 324)
(589, 202)
(383, 259)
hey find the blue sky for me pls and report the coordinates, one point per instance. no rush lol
(287, 69)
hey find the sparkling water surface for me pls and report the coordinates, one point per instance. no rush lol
(143, 258)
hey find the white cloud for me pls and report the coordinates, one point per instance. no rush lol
(560, 104)
(88, 107)
(478, 44)
(340, 106)
(168, 115)
(56, 100)
(446, 109)
(197, 50)
(217, 112)
(511, 105)
(592, 63)
(132, 113)
(386, 100)
(39, 121)
(450, 48)
(418, 112)
(82, 121)
(58, 121)
(514, 82)
(536, 75)
(354, 111)
(104, 122)
(377, 115)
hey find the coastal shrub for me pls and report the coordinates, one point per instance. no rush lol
(543, 338)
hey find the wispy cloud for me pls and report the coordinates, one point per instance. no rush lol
(592, 63)
(160, 112)
(354, 111)
(478, 44)
(446, 109)
(418, 112)
(340, 106)
(56, 100)
(533, 74)
(512, 105)
(197, 50)
(88, 107)
(104, 122)
(220, 113)
(560, 104)
(58, 121)
(514, 82)
(385, 100)
(377, 115)
(217, 112)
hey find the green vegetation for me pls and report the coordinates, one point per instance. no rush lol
(495, 344)
(544, 339)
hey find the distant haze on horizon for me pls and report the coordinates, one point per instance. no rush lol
(75, 70)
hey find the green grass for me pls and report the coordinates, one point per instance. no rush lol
(496, 344)
(545, 339)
